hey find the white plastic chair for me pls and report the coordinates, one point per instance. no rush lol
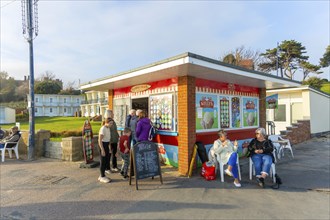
(10, 150)
(252, 171)
(220, 166)
(280, 144)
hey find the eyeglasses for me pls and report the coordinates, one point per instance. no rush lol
(257, 133)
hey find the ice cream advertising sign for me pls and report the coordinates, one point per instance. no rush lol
(206, 111)
(250, 112)
(272, 101)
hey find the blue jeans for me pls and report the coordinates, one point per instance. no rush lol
(262, 163)
(232, 162)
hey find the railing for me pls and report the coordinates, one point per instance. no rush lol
(102, 101)
(270, 127)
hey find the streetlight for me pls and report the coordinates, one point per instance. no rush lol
(30, 24)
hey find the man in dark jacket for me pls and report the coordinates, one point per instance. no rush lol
(131, 121)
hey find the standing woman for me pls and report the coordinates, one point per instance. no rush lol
(104, 147)
(113, 144)
(227, 152)
(261, 153)
(143, 126)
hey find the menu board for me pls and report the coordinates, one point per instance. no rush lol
(120, 111)
(224, 112)
(161, 111)
(145, 161)
(235, 112)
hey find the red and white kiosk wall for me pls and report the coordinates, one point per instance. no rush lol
(190, 98)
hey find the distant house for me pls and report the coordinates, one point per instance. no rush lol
(302, 103)
(7, 115)
(96, 103)
(56, 105)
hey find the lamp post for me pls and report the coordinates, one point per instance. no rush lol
(30, 23)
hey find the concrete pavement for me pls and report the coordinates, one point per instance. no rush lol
(53, 189)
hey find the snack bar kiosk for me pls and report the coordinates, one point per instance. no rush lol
(190, 98)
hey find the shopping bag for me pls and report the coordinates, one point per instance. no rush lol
(208, 171)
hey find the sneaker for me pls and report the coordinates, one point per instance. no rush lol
(261, 182)
(108, 171)
(125, 177)
(104, 179)
(122, 173)
(238, 185)
(115, 169)
(228, 172)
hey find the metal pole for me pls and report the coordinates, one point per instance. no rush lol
(277, 60)
(31, 83)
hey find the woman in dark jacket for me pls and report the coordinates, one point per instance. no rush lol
(13, 137)
(261, 153)
(143, 127)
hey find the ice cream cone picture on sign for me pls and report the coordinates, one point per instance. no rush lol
(206, 111)
(250, 112)
(87, 134)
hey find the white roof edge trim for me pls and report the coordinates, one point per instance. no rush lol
(140, 72)
(299, 88)
(240, 72)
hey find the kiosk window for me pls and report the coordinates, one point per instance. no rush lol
(280, 113)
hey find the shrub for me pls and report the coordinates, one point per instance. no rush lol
(23, 116)
(65, 134)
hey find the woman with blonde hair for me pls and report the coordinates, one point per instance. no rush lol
(227, 152)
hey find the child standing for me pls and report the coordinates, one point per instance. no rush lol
(124, 148)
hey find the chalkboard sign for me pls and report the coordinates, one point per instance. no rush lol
(145, 161)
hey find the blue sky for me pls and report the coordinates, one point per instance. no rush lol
(88, 40)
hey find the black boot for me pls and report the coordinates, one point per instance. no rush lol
(261, 182)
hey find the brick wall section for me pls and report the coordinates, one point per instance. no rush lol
(53, 150)
(186, 121)
(72, 149)
(110, 99)
(298, 132)
(40, 138)
(262, 107)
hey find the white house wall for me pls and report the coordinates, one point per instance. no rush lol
(285, 99)
(315, 107)
(96, 103)
(7, 115)
(319, 108)
(57, 105)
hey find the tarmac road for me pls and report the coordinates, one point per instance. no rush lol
(53, 189)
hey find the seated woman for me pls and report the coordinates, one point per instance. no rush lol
(12, 137)
(227, 152)
(260, 149)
